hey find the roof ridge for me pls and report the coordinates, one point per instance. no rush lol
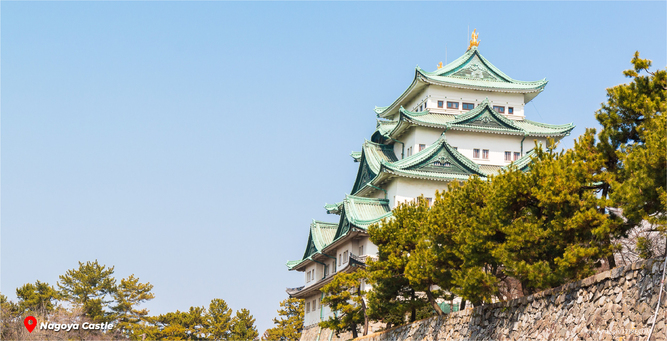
(549, 125)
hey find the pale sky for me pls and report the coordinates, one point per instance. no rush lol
(191, 143)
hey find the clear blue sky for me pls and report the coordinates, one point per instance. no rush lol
(191, 144)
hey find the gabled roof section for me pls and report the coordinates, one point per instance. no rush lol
(361, 212)
(372, 156)
(470, 71)
(483, 118)
(438, 161)
(321, 234)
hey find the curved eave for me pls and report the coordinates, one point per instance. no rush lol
(428, 175)
(528, 92)
(417, 85)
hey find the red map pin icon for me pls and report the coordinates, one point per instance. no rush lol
(30, 323)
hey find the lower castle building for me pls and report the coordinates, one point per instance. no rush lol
(465, 118)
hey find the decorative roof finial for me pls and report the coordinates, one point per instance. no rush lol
(473, 39)
(440, 66)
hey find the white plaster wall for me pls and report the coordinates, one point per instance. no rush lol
(435, 93)
(497, 144)
(404, 189)
(319, 273)
(349, 247)
(312, 316)
(369, 248)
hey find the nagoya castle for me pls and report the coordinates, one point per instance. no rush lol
(465, 118)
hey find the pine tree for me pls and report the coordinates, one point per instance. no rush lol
(554, 230)
(128, 295)
(290, 324)
(463, 239)
(243, 326)
(393, 297)
(345, 298)
(219, 319)
(633, 141)
(89, 286)
(39, 297)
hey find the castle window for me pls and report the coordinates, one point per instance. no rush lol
(314, 305)
(452, 105)
(340, 259)
(429, 201)
(499, 109)
(468, 106)
(517, 155)
(475, 153)
(421, 147)
(510, 110)
(345, 259)
(308, 307)
(485, 154)
(508, 156)
(326, 270)
(361, 250)
(441, 104)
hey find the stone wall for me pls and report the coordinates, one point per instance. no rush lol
(315, 333)
(613, 305)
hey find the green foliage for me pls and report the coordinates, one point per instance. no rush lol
(89, 286)
(39, 297)
(550, 217)
(243, 326)
(128, 295)
(219, 319)
(463, 238)
(393, 296)
(346, 299)
(633, 142)
(290, 324)
(644, 247)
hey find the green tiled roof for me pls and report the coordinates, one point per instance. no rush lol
(470, 71)
(321, 235)
(482, 118)
(361, 212)
(438, 161)
(372, 156)
(356, 156)
(523, 162)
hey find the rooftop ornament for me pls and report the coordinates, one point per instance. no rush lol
(440, 66)
(473, 39)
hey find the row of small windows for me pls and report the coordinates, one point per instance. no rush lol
(501, 109)
(343, 258)
(310, 275)
(314, 306)
(470, 106)
(455, 105)
(485, 154)
(508, 156)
